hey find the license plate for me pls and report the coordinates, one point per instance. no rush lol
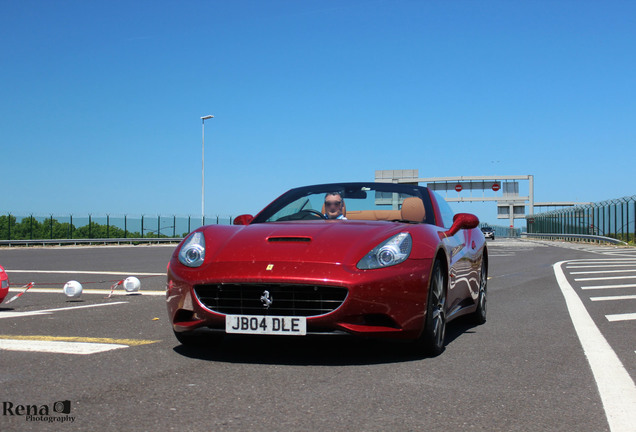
(266, 325)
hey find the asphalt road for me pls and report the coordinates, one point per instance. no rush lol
(524, 370)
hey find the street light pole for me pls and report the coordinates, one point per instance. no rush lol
(203, 119)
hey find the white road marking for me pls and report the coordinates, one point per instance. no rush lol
(21, 314)
(605, 278)
(66, 344)
(49, 311)
(621, 317)
(602, 261)
(604, 271)
(615, 385)
(618, 297)
(608, 286)
(91, 291)
(57, 347)
(85, 272)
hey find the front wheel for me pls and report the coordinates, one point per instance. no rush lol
(435, 326)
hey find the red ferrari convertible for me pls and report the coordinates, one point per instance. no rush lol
(367, 259)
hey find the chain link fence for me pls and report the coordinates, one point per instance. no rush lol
(615, 218)
(33, 227)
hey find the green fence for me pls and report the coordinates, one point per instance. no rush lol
(100, 227)
(614, 218)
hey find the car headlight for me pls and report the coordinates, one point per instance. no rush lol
(192, 251)
(388, 253)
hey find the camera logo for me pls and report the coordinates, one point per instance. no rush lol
(57, 412)
(62, 407)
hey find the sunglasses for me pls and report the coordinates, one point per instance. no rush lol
(332, 203)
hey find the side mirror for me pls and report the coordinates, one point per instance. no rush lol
(244, 219)
(462, 221)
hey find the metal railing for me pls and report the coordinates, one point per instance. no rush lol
(575, 237)
(614, 218)
(96, 229)
(93, 241)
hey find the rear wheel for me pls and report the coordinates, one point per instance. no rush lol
(480, 312)
(435, 327)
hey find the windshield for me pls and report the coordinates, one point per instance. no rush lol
(351, 201)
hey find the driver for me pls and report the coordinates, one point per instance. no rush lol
(334, 205)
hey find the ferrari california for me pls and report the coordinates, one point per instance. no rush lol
(376, 260)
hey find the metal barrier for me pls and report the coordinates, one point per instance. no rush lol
(614, 218)
(579, 237)
(98, 241)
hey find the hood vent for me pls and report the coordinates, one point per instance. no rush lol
(288, 239)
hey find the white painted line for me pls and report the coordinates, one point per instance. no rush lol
(615, 385)
(90, 291)
(605, 278)
(57, 347)
(621, 317)
(592, 287)
(609, 298)
(21, 314)
(49, 311)
(116, 273)
(601, 266)
(604, 271)
(602, 261)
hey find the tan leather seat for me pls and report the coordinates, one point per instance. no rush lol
(374, 215)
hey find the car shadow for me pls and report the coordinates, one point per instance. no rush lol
(305, 351)
(313, 350)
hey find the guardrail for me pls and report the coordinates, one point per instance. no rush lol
(580, 237)
(95, 241)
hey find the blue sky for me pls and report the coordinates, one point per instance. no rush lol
(101, 101)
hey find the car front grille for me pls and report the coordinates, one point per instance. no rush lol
(286, 300)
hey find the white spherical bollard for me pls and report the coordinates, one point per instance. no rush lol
(73, 289)
(131, 284)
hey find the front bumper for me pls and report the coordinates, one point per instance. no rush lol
(388, 302)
